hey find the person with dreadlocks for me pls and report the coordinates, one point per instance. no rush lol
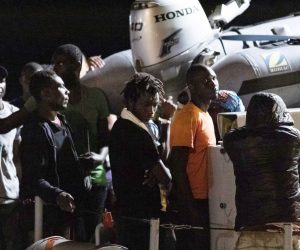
(137, 168)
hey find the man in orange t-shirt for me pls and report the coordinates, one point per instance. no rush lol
(192, 131)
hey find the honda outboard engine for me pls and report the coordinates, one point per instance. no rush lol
(165, 37)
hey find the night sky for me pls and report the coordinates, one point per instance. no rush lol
(32, 29)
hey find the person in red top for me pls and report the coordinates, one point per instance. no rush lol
(192, 131)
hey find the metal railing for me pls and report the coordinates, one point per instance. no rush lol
(154, 228)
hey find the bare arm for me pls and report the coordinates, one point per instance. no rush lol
(15, 120)
(177, 162)
(167, 110)
(104, 126)
(66, 202)
(162, 173)
(111, 119)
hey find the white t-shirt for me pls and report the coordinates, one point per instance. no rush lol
(9, 182)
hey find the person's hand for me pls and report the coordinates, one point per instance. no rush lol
(149, 179)
(28, 201)
(167, 108)
(95, 62)
(95, 158)
(89, 161)
(65, 201)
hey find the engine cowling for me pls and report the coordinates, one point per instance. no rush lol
(165, 36)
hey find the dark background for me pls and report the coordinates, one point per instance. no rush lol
(32, 29)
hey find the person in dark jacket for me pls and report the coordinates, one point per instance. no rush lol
(265, 154)
(50, 164)
(137, 168)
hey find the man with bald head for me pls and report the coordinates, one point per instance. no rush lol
(192, 131)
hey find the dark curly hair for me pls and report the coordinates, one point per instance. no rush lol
(140, 84)
(40, 80)
(3, 72)
(70, 51)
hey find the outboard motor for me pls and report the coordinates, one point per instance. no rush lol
(165, 37)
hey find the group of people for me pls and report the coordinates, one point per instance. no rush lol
(158, 156)
(62, 155)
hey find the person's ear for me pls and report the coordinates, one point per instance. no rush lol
(84, 67)
(191, 88)
(21, 80)
(45, 93)
(130, 105)
(77, 67)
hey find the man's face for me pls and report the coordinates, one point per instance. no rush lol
(145, 107)
(2, 87)
(206, 86)
(57, 95)
(67, 70)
